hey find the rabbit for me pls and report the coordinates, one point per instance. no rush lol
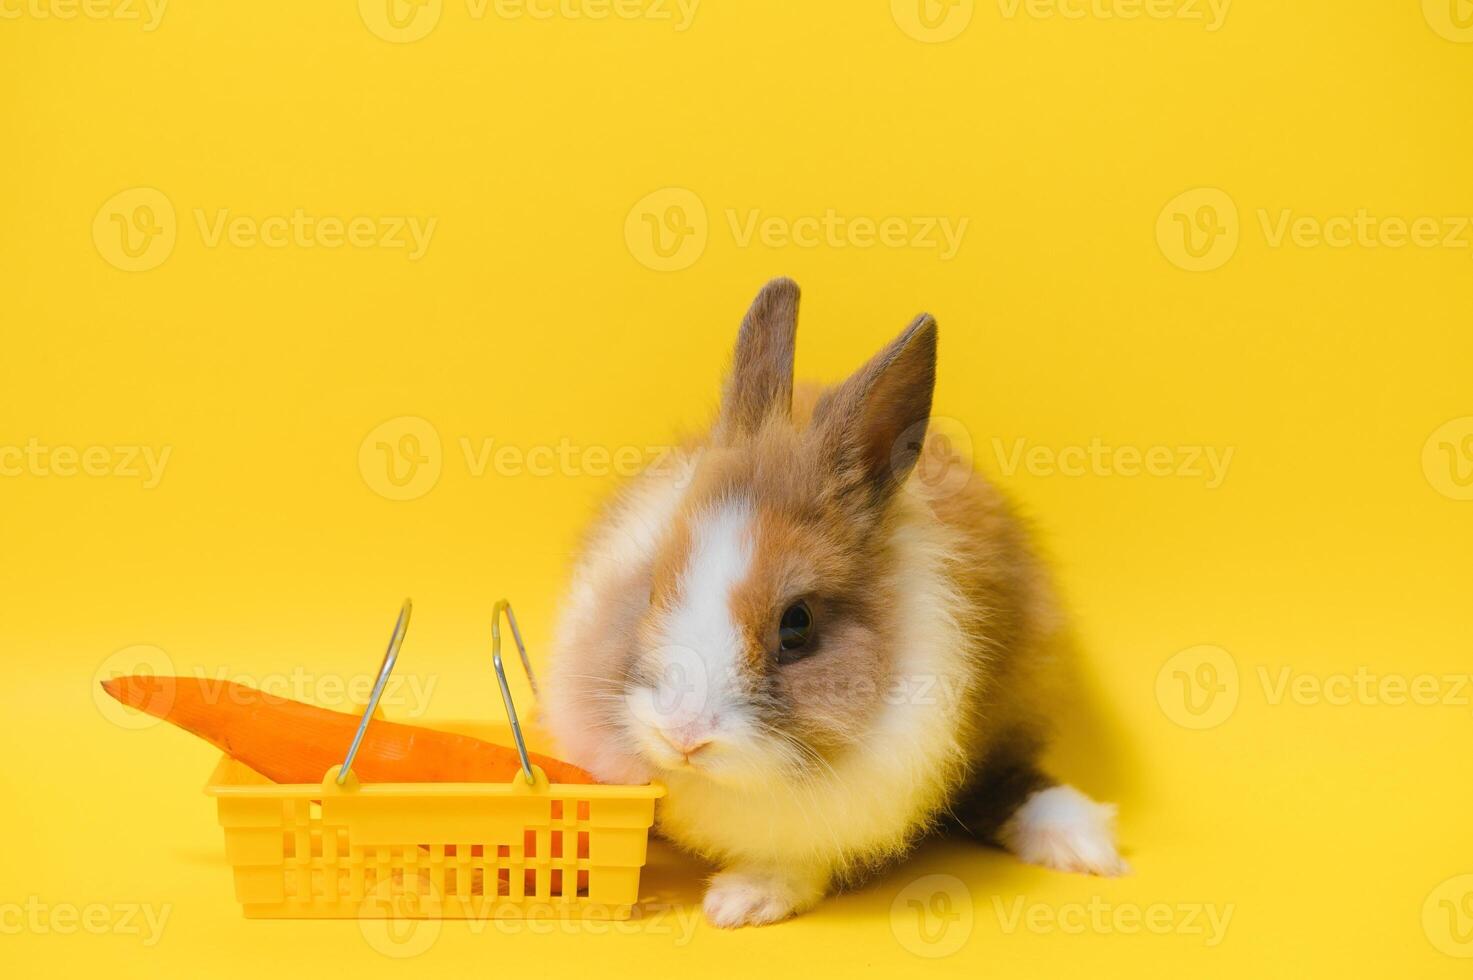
(820, 655)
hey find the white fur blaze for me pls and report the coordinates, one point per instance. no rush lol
(701, 623)
(1063, 829)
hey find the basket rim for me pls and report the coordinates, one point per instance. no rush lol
(218, 786)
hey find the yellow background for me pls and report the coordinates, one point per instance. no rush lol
(1333, 544)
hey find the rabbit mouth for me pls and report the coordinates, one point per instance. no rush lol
(673, 752)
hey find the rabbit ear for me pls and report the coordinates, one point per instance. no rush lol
(761, 380)
(872, 426)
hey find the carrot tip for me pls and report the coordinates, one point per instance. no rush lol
(148, 694)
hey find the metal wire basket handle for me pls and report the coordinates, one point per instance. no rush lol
(391, 656)
(396, 640)
(503, 606)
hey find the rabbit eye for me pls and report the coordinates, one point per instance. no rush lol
(794, 631)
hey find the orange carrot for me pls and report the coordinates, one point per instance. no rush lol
(290, 742)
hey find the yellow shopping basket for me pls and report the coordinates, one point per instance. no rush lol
(524, 849)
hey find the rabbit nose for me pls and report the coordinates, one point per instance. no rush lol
(687, 742)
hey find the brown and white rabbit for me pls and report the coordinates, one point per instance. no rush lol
(819, 656)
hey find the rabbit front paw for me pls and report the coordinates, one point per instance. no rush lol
(755, 897)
